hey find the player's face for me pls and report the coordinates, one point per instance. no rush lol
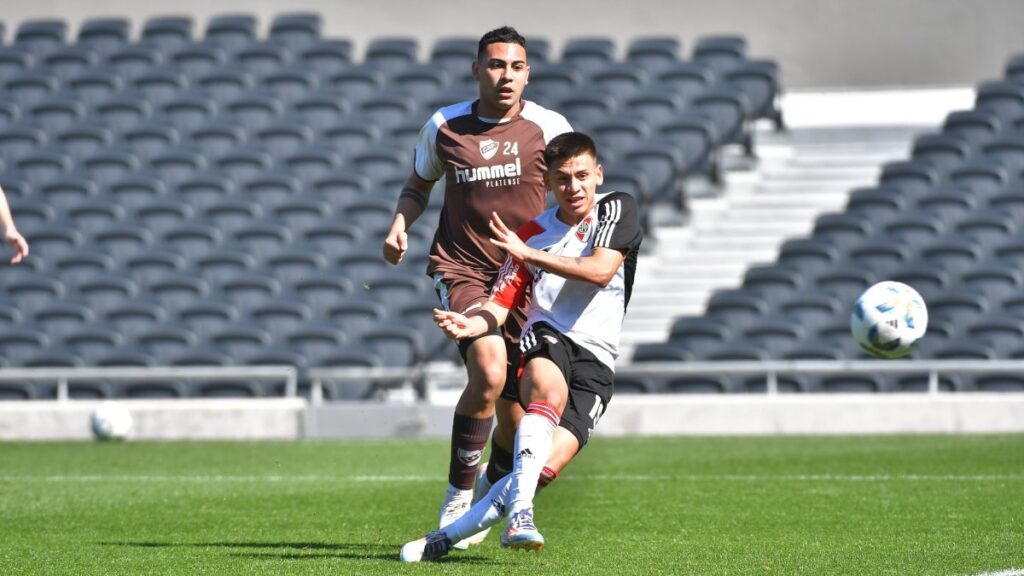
(502, 72)
(574, 185)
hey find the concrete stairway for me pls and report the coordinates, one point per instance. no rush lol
(798, 176)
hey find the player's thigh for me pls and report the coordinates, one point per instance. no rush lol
(543, 381)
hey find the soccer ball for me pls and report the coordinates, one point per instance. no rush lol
(888, 318)
(111, 421)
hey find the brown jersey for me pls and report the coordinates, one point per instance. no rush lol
(488, 167)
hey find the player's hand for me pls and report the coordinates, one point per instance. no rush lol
(507, 239)
(395, 246)
(454, 325)
(18, 244)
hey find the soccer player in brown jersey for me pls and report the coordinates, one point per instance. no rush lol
(490, 153)
(12, 237)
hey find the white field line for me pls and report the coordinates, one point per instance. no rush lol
(243, 479)
(1010, 572)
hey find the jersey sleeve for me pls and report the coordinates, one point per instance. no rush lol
(426, 163)
(618, 223)
(509, 290)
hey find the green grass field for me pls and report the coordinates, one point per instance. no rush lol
(907, 505)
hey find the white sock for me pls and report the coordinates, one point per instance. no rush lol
(484, 514)
(533, 447)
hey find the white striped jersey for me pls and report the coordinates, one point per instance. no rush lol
(588, 314)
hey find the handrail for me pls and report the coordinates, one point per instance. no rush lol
(65, 375)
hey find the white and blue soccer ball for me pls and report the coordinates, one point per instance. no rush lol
(888, 319)
(111, 421)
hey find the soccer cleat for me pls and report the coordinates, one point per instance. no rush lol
(456, 503)
(480, 490)
(430, 547)
(520, 532)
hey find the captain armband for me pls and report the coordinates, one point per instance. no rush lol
(414, 195)
(492, 322)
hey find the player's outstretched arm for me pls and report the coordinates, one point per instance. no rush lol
(411, 204)
(599, 268)
(457, 326)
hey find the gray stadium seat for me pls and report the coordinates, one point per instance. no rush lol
(399, 346)
(759, 80)
(653, 52)
(589, 53)
(41, 35)
(550, 81)
(296, 29)
(283, 137)
(771, 281)
(231, 213)
(223, 263)
(290, 84)
(248, 289)
(263, 58)
(808, 255)
(217, 138)
(454, 54)
(982, 175)
(420, 80)
(842, 228)
(993, 278)
(159, 84)
(736, 308)
(240, 340)
(812, 307)
(351, 135)
(244, 164)
(942, 151)
(122, 112)
(295, 263)
(131, 60)
(233, 31)
(911, 178)
(199, 59)
(321, 108)
(253, 110)
(133, 317)
(103, 35)
(729, 108)
(149, 265)
(67, 61)
(31, 86)
(655, 104)
(93, 214)
(974, 126)
(844, 280)
(774, 334)
(326, 57)
(192, 239)
(1003, 98)
(135, 190)
(62, 317)
(878, 204)
(83, 139)
(282, 315)
(311, 162)
(168, 32)
(14, 60)
(107, 291)
(207, 316)
(123, 240)
(177, 164)
(324, 290)
(721, 52)
(358, 83)
(880, 254)
(18, 141)
(177, 289)
(926, 278)
(392, 54)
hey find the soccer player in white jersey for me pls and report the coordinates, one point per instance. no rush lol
(579, 258)
(490, 153)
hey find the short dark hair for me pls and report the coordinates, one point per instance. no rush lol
(567, 146)
(503, 35)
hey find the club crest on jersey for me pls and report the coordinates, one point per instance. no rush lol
(583, 228)
(488, 148)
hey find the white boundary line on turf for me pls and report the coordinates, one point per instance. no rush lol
(586, 477)
(1009, 572)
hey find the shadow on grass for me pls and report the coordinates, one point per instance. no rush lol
(303, 550)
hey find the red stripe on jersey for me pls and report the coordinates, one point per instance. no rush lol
(513, 278)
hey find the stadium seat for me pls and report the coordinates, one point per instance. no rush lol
(296, 29)
(192, 239)
(589, 53)
(30, 212)
(998, 383)
(947, 206)
(18, 141)
(295, 263)
(135, 190)
(20, 342)
(67, 192)
(358, 83)
(103, 35)
(224, 263)
(1000, 332)
(311, 162)
(664, 165)
(231, 213)
(93, 214)
(56, 113)
(399, 346)
(253, 110)
(1008, 150)
(973, 126)
(62, 317)
(326, 57)
(107, 291)
(83, 140)
(620, 133)
(919, 383)
(67, 61)
(322, 108)
(655, 104)
(207, 316)
(9, 111)
(240, 340)
(454, 54)
(388, 108)
(983, 177)
(774, 334)
(226, 83)
(844, 280)
(352, 356)
(957, 305)
(1003, 98)
(877, 204)
(721, 53)
(149, 139)
(759, 81)
(43, 166)
(177, 289)
(51, 241)
(91, 342)
(177, 164)
(197, 60)
(217, 138)
(911, 178)
(131, 60)
(316, 340)
(232, 31)
(582, 109)
(842, 228)
(729, 108)
(290, 84)
(811, 307)
(881, 255)
(281, 137)
(271, 188)
(248, 289)
(735, 308)
(771, 281)
(166, 342)
(653, 52)
(552, 81)
(926, 278)
(151, 390)
(149, 265)
(244, 164)
(392, 54)
(708, 384)
(628, 178)
(159, 84)
(954, 253)
(14, 60)
(914, 228)
(263, 237)
(282, 315)
(993, 278)
(987, 227)
(942, 151)
(351, 135)
(323, 290)
(168, 32)
(420, 79)
(122, 112)
(810, 256)
(619, 80)
(42, 35)
(31, 86)
(262, 59)
(133, 317)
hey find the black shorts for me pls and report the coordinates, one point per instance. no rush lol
(590, 381)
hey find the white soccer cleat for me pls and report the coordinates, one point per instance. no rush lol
(480, 490)
(521, 533)
(432, 546)
(456, 503)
